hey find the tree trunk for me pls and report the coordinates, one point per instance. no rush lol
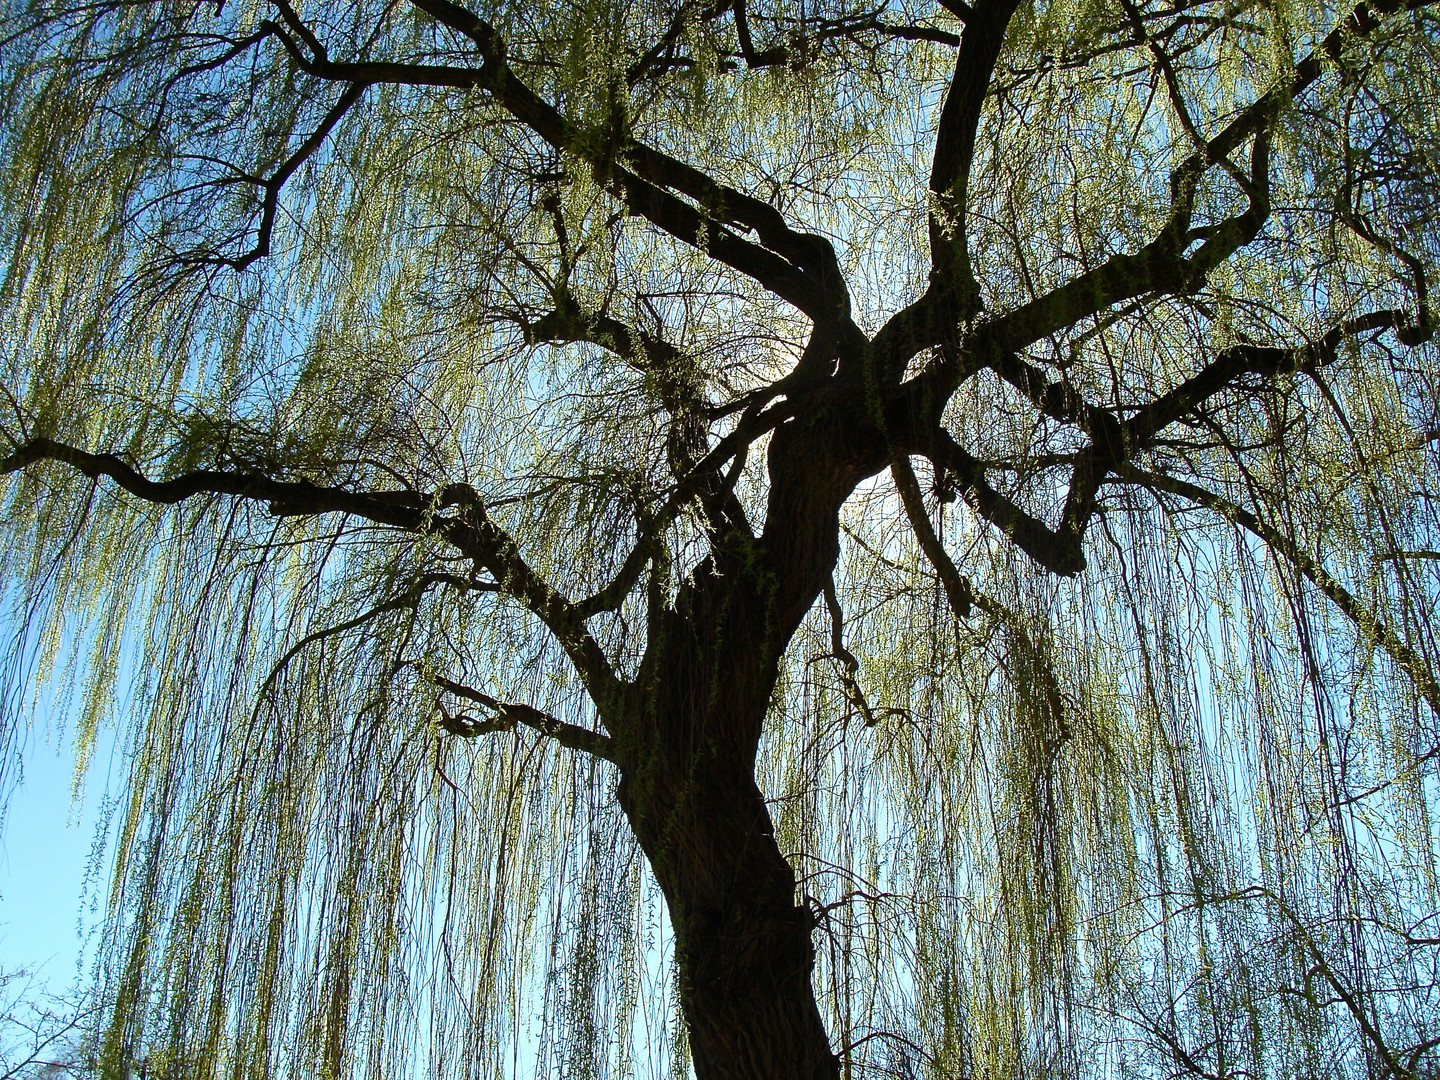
(688, 770)
(742, 944)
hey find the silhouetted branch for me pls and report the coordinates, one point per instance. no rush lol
(1369, 626)
(509, 713)
(471, 531)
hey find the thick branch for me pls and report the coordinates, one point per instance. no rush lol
(985, 29)
(471, 532)
(1057, 400)
(1160, 266)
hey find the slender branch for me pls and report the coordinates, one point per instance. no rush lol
(799, 267)
(855, 1044)
(407, 600)
(1231, 363)
(1114, 442)
(673, 377)
(641, 186)
(42, 1042)
(1167, 71)
(849, 665)
(962, 596)
(1422, 328)
(474, 533)
(1347, 996)
(670, 369)
(733, 446)
(653, 60)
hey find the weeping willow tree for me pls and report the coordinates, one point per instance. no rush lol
(783, 539)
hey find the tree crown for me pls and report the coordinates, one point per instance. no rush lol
(1047, 391)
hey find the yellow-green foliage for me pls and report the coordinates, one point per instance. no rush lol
(1172, 816)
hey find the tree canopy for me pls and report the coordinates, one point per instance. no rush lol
(785, 538)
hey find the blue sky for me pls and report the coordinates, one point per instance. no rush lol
(46, 845)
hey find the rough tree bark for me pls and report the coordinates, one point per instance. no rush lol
(687, 749)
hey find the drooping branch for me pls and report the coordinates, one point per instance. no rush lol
(957, 588)
(1349, 213)
(660, 57)
(849, 664)
(274, 184)
(806, 41)
(696, 465)
(1369, 625)
(667, 365)
(1230, 364)
(799, 267)
(962, 596)
(704, 481)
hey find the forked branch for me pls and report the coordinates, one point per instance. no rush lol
(1056, 550)
(797, 266)
(510, 713)
(1162, 265)
(1114, 442)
